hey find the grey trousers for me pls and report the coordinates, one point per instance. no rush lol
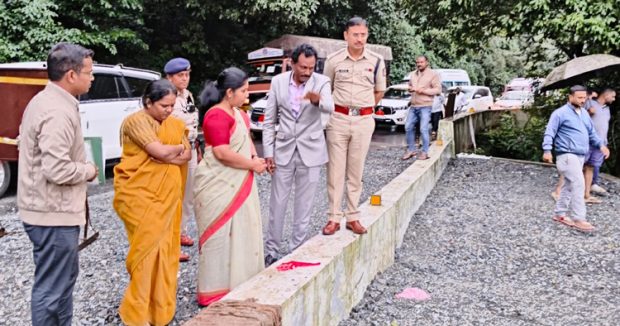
(56, 269)
(305, 180)
(571, 196)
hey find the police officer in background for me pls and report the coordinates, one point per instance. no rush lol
(177, 72)
(358, 83)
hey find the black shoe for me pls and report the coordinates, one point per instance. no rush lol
(270, 260)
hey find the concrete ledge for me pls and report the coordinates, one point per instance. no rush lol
(325, 294)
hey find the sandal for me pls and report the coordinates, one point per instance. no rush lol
(409, 155)
(593, 200)
(564, 220)
(583, 226)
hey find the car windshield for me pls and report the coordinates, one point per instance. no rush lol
(467, 92)
(396, 93)
(515, 96)
(265, 71)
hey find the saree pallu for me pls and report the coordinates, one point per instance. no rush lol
(229, 223)
(148, 197)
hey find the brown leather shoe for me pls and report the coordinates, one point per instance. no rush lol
(331, 228)
(356, 227)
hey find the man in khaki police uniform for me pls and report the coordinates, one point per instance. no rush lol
(177, 72)
(358, 79)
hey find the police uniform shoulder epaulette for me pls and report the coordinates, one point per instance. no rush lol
(334, 54)
(377, 55)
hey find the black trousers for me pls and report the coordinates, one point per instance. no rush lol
(435, 117)
(56, 269)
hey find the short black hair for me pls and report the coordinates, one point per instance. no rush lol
(422, 56)
(64, 57)
(607, 90)
(577, 88)
(306, 49)
(355, 21)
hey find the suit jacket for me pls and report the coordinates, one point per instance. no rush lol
(283, 133)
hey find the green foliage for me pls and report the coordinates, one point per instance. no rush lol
(512, 140)
(577, 27)
(28, 28)
(390, 26)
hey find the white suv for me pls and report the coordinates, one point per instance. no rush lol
(114, 94)
(392, 109)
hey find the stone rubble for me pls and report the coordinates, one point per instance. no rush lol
(483, 245)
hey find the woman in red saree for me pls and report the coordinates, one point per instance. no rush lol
(148, 185)
(226, 200)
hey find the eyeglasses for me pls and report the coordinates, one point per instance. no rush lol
(90, 73)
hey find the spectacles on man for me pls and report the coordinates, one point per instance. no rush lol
(90, 73)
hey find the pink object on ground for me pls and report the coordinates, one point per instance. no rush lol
(414, 294)
(294, 264)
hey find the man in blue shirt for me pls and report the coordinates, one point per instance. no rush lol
(570, 133)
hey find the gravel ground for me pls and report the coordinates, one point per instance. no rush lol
(484, 246)
(103, 278)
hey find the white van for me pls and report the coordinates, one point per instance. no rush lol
(450, 77)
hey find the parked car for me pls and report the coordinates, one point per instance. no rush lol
(392, 109)
(114, 94)
(519, 84)
(514, 100)
(257, 116)
(473, 99)
(449, 77)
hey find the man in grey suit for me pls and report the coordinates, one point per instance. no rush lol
(294, 145)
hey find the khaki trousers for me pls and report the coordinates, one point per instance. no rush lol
(348, 140)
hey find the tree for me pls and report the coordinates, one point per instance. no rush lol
(28, 28)
(576, 27)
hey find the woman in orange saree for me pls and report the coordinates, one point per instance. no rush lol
(226, 200)
(148, 185)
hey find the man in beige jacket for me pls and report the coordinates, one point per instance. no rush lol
(53, 174)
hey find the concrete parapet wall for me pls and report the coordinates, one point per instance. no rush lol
(325, 294)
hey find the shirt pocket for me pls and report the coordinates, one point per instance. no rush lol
(368, 74)
(343, 75)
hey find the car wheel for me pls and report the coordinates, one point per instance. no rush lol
(5, 176)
